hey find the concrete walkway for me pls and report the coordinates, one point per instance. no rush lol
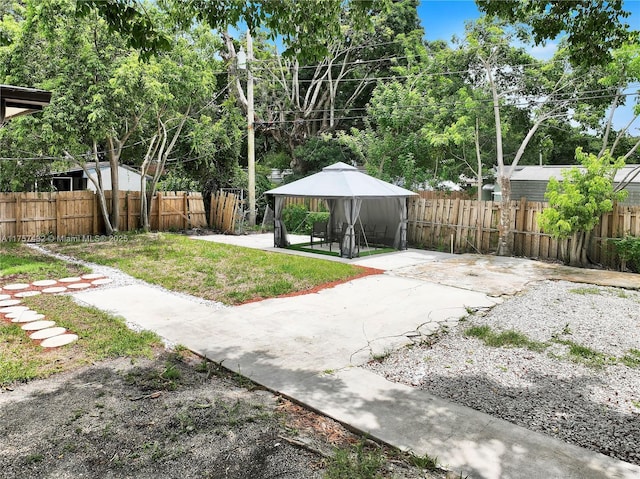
(308, 348)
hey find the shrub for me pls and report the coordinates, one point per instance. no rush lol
(628, 248)
(298, 219)
(294, 217)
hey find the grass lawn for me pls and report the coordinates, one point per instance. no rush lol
(225, 273)
(18, 264)
(101, 335)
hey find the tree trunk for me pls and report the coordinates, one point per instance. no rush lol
(505, 239)
(578, 250)
(115, 194)
(479, 181)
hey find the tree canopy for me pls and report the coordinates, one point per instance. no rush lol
(593, 28)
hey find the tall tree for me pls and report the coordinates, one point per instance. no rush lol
(593, 28)
(298, 101)
(545, 90)
(105, 98)
(305, 27)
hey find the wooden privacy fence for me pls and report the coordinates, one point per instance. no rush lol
(312, 204)
(225, 212)
(470, 226)
(29, 216)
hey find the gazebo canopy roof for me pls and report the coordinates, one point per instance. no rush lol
(340, 181)
(16, 101)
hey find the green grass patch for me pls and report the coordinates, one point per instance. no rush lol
(101, 336)
(631, 359)
(510, 338)
(585, 355)
(425, 462)
(230, 274)
(306, 247)
(585, 291)
(19, 263)
(357, 462)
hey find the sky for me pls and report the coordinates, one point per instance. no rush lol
(441, 19)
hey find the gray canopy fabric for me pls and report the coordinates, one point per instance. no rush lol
(354, 199)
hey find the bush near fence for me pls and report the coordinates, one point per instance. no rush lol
(469, 226)
(29, 216)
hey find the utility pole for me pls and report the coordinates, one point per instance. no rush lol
(251, 152)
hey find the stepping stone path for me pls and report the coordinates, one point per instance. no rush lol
(55, 289)
(73, 279)
(48, 333)
(13, 309)
(9, 302)
(60, 340)
(15, 287)
(33, 322)
(26, 294)
(37, 325)
(25, 316)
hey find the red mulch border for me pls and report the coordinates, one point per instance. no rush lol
(365, 272)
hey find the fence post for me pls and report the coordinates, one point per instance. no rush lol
(95, 213)
(160, 212)
(185, 209)
(58, 203)
(211, 203)
(18, 215)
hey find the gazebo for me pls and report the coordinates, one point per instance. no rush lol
(354, 199)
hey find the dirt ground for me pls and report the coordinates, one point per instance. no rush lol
(172, 417)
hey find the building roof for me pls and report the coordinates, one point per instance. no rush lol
(91, 166)
(16, 101)
(340, 181)
(545, 173)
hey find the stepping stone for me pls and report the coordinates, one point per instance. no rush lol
(92, 276)
(48, 333)
(26, 294)
(13, 309)
(71, 279)
(4, 296)
(37, 325)
(55, 289)
(99, 282)
(26, 317)
(9, 302)
(79, 286)
(44, 282)
(60, 340)
(15, 286)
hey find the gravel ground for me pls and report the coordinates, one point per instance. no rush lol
(592, 401)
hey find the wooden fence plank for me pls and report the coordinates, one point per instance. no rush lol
(74, 213)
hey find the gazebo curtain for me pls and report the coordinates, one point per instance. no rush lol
(351, 213)
(279, 229)
(400, 240)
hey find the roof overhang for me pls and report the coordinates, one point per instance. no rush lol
(16, 101)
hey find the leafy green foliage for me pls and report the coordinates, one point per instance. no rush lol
(322, 151)
(298, 219)
(628, 249)
(577, 202)
(582, 21)
(303, 26)
(294, 217)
